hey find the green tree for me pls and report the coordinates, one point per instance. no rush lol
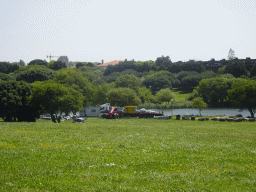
(164, 95)
(158, 81)
(123, 97)
(112, 78)
(129, 81)
(193, 95)
(6, 77)
(227, 76)
(208, 74)
(58, 65)
(190, 82)
(163, 62)
(14, 101)
(145, 95)
(214, 90)
(73, 101)
(38, 62)
(145, 66)
(253, 71)
(31, 75)
(8, 68)
(22, 63)
(100, 93)
(221, 70)
(183, 74)
(78, 65)
(90, 64)
(76, 80)
(192, 66)
(243, 95)
(50, 64)
(199, 104)
(93, 74)
(236, 68)
(52, 97)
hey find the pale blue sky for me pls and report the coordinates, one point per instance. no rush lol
(91, 30)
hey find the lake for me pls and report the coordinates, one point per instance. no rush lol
(210, 112)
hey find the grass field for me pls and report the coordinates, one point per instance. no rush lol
(179, 96)
(128, 155)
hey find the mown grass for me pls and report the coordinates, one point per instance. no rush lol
(179, 96)
(128, 155)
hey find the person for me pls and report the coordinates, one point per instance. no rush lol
(58, 119)
(54, 118)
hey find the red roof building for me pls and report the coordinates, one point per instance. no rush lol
(109, 63)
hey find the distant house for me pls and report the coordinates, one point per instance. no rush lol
(105, 65)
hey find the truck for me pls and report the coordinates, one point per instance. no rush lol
(113, 112)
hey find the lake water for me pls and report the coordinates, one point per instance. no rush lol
(210, 112)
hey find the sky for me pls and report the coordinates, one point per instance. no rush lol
(92, 30)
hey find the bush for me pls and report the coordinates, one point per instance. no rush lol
(176, 105)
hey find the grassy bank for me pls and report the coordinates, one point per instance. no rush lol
(128, 155)
(179, 102)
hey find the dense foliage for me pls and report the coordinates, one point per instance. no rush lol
(38, 62)
(243, 95)
(14, 101)
(164, 95)
(129, 81)
(35, 74)
(236, 68)
(199, 104)
(77, 81)
(149, 83)
(8, 68)
(122, 97)
(214, 91)
(52, 97)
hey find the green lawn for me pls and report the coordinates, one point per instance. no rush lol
(179, 96)
(128, 155)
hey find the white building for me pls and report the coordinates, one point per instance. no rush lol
(90, 111)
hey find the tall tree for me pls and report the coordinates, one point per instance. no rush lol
(214, 90)
(129, 81)
(58, 65)
(159, 80)
(76, 80)
(253, 71)
(31, 75)
(122, 97)
(100, 93)
(164, 95)
(163, 62)
(14, 101)
(236, 68)
(145, 95)
(8, 68)
(231, 54)
(38, 62)
(22, 63)
(52, 97)
(243, 95)
(199, 104)
(190, 82)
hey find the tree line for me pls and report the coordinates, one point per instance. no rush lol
(43, 87)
